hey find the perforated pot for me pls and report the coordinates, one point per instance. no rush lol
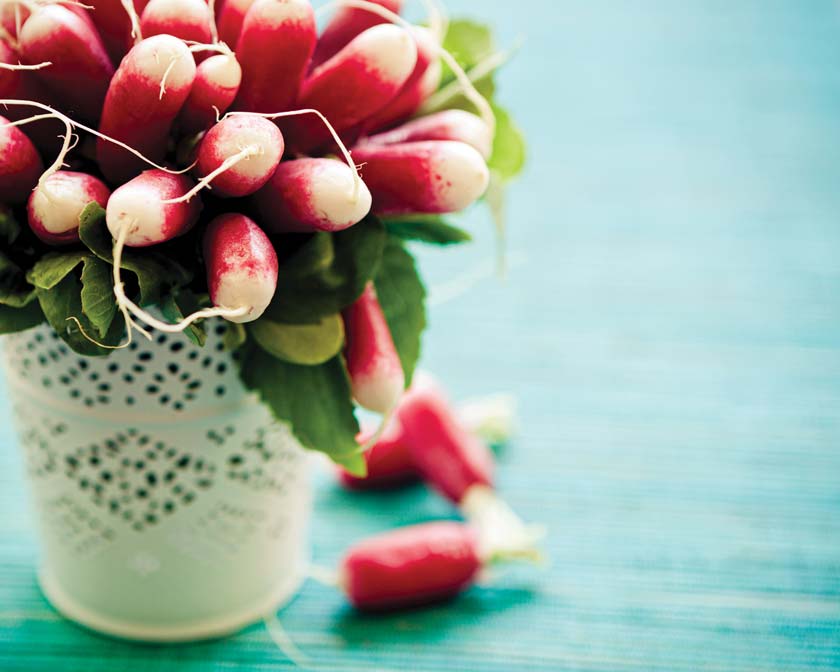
(171, 506)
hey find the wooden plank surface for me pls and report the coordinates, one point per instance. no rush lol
(671, 327)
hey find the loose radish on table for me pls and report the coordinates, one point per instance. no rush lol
(139, 207)
(229, 19)
(422, 177)
(20, 164)
(214, 89)
(186, 19)
(377, 379)
(55, 206)
(389, 460)
(274, 49)
(312, 195)
(241, 266)
(145, 95)
(455, 125)
(422, 83)
(354, 84)
(250, 147)
(347, 23)
(80, 69)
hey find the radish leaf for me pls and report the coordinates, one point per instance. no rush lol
(19, 319)
(98, 301)
(427, 229)
(402, 296)
(54, 267)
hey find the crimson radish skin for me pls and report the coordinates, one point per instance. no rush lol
(55, 206)
(356, 83)
(411, 566)
(450, 458)
(187, 19)
(456, 125)
(136, 113)
(389, 463)
(306, 195)
(241, 266)
(138, 204)
(422, 83)
(377, 379)
(347, 23)
(274, 49)
(114, 25)
(80, 69)
(20, 164)
(229, 19)
(229, 137)
(213, 91)
(430, 177)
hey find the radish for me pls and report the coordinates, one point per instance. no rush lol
(422, 177)
(274, 48)
(241, 266)
(20, 164)
(240, 154)
(346, 24)
(389, 460)
(230, 19)
(411, 566)
(312, 195)
(115, 25)
(55, 206)
(12, 16)
(137, 210)
(213, 91)
(376, 374)
(422, 83)
(145, 95)
(187, 19)
(355, 83)
(80, 68)
(447, 125)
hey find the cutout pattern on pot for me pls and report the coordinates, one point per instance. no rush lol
(75, 527)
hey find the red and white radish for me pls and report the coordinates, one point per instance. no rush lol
(241, 266)
(356, 83)
(346, 24)
(144, 98)
(230, 18)
(411, 566)
(20, 164)
(450, 458)
(422, 83)
(312, 195)
(455, 125)
(239, 155)
(377, 379)
(138, 212)
(187, 19)
(55, 206)
(214, 89)
(422, 177)
(80, 69)
(115, 25)
(389, 459)
(274, 49)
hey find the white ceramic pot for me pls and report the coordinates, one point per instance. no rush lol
(171, 506)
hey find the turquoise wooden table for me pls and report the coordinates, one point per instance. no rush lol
(671, 327)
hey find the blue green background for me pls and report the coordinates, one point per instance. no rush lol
(671, 328)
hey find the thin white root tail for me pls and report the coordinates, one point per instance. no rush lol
(473, 95)
(204, 183)
(128, 6)
(21, 66)
(218, 47)
(341, 146)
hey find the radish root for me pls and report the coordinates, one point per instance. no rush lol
(128, 6)
(473, 95)
(21, 66)
(204, 183)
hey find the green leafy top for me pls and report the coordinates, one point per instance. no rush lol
(292, 356)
